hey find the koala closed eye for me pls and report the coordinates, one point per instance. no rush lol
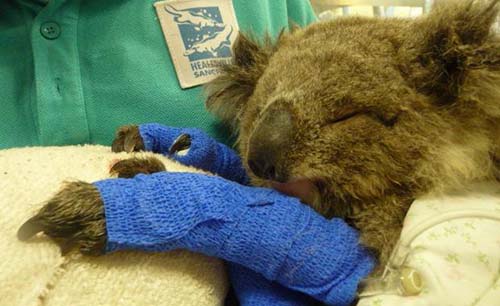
(345, 117)
(388, 121)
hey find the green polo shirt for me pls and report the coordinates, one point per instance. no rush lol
(72, 71)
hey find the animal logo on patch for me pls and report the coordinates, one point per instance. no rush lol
(203, 32)
(199, 35)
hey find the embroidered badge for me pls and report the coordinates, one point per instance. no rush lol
(199, 35)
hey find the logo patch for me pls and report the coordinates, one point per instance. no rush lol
(199, 35)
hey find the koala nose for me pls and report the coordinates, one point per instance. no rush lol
(263, 168)
(268, 144)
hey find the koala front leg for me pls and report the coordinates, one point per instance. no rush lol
(73, 217)
(130, 167)
(382, 242)
(380, 224)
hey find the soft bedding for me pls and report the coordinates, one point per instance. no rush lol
(448, 253)
(36, 274)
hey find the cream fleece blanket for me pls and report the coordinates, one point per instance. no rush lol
(35, 274)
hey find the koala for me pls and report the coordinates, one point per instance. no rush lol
(359, 116)
(355, 116)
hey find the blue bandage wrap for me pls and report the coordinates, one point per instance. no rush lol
(204, 153)
(252, 289)
(257, 228)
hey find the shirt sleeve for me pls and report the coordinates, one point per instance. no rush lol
(301, 12)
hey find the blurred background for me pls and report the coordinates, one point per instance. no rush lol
(329, 9)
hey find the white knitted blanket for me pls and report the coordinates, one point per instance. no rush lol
(34, 273)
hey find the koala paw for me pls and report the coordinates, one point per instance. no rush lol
(74, 217)
(128, 139)
(130, 167)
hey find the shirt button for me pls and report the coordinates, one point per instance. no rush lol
(411, 282)
(50, 30)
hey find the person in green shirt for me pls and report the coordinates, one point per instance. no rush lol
(72, 71)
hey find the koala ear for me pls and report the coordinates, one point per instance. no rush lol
(229, 92)
(455, 38)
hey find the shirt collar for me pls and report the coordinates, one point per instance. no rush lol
(34, 5)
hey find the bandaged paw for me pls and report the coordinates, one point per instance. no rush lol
(193, 147)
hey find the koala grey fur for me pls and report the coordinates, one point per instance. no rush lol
(370, 113)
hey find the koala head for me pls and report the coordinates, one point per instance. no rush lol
(358, 109)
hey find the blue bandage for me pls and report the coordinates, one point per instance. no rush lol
(204, 153)
(260, 229)
(252, 289)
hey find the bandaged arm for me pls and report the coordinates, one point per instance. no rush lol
(251, 288)
(257, 228)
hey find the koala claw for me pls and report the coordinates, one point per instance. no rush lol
(129, 168)
(74, 217)
(183, 142)
(128, 139)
